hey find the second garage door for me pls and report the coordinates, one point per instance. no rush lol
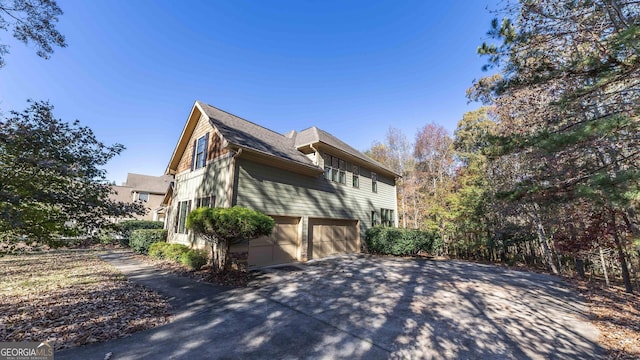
(330, 236)
(280, 247)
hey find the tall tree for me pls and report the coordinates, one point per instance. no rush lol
(568, 99)
(51, 180)
(31, 21)
(435, 162)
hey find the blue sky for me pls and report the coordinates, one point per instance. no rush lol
(133, 68)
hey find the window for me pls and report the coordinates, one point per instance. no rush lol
(143, 196)
(374, 218)
(335, 169)
(206, 201)
(200, 152)
(388, 218)
(181, 216)
(355, 181)
(374, 182)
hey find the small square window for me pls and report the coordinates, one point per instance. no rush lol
(143, 196)
(374, 182)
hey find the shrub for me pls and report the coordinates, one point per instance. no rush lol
(142, 239)
(125, 228)
(174, 251)
(194, 259)
(156, 250)
(394, 241)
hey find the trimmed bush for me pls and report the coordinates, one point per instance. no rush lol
(142, 239)
(195, 259)
(156, 250)
(174, 251)
(399, 242)
(125, 228)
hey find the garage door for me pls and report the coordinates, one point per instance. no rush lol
(278, 248)
(329, 236)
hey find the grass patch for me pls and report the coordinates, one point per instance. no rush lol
(71, 298)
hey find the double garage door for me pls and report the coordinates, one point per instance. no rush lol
(326, 237)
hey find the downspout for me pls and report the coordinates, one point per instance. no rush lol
(231, 178)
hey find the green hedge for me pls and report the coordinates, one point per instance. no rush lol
(174, 252)
(125, 228)
(395, 241)
(156, 250)
(142, 239)
(195, 259)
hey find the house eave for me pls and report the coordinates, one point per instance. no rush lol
(276, 161)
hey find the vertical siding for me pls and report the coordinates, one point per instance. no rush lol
(191, 185)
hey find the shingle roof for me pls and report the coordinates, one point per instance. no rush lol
(246, 134)
(314, 135)
(147, 183)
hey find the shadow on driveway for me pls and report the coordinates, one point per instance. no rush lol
(362, 307)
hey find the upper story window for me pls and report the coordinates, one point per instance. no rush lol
(374, 182)
(143, 196)
(200, 152)
(335, 169)
(355, 180)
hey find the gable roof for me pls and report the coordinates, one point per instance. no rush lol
(315, 135)
(147, 183)
(245, 134)
(239, 133)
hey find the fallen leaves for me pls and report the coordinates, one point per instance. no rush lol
(71, 298)
(231, 278)
(617, 315)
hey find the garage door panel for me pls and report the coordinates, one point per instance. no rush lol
(329, 236)
(284, 253)
(339, 246)
(278, 248)
(262, 241)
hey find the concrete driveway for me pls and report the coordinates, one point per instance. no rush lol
(362, 307)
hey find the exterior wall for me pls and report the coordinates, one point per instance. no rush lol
(282, 193)
(191, 185)
(126, 194)
(210, 180)
(214, 149)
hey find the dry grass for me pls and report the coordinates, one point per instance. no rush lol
(71, 298)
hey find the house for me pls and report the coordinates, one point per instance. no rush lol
(149, 190)
(322, 193)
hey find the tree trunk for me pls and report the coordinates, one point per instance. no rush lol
(545, 247)
(580, 267)
(604, 266)
(626, 277)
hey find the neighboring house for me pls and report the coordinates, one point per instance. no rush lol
(149, 190)
(322, 193)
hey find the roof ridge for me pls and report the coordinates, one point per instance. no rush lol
(243, 119)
